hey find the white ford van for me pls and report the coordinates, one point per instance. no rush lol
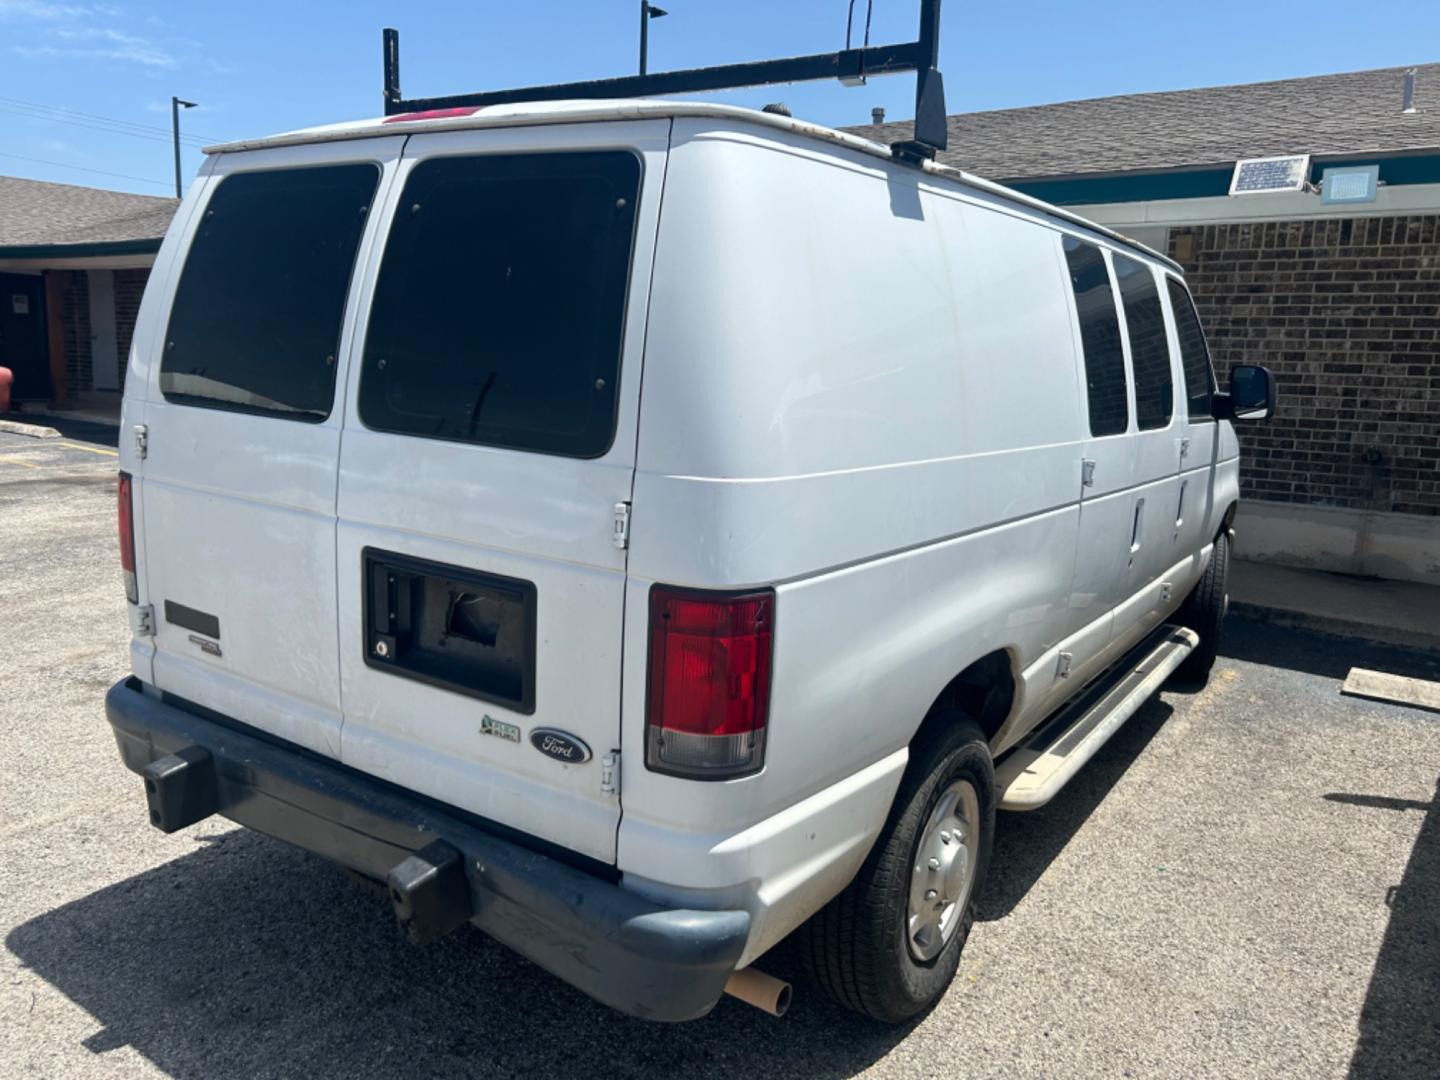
(647, 530)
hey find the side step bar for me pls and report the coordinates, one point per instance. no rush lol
(1031, 775)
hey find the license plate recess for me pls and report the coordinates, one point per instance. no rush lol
(449, 626)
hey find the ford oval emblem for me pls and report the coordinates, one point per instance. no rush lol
(560, 745)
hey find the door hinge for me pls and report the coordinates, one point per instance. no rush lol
(1062, 665)
(610, 773)
(144, 620)
(142, 441)
(620, 534)
(1087, 472)
(1184, 448)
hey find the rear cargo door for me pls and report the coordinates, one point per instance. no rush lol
(490, 442)
(243, 418)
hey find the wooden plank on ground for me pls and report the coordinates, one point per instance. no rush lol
(1399, 689)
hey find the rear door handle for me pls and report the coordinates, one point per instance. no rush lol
(1135, 532)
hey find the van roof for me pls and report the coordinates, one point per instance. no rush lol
(592, 111)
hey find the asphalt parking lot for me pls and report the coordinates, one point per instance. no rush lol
(1245, 883)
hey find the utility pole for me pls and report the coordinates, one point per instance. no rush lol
(648, 11)
(176, 104)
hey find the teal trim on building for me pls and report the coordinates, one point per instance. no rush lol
(1192, 183)
(81, 251)
(1132, 187)
(1419, 169)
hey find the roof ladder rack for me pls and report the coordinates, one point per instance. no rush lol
(919, 56)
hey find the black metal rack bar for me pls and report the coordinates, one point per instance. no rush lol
(919, 56)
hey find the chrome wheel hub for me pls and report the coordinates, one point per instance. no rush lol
(944, 870)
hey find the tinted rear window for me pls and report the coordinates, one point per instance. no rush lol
(1194, 355)
(1149, 347)
(500, 307)
(1100, 337)
(255, 326)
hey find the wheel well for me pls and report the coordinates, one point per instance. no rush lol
(1229, 520)
(984, 691)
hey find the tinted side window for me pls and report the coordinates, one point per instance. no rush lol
(1149, 347)
(1194, 356)
(256, 322)
(500, 306)
(1100, 336)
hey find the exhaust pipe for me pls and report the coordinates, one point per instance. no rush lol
(765, 992)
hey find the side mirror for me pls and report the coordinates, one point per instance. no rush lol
(1251, 396)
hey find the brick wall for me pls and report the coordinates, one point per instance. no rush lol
(1346, 313)
(75, 315)
(129, 287)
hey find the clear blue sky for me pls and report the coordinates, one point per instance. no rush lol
(260, 66)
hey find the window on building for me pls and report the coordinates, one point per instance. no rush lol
(1100, 337)
(500, 306)
(255, 326)
(1194, 356)
(1149, 347)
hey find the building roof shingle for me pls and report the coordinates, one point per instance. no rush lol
(1355, 112)
(34, 213)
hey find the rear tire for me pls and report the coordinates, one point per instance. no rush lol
(868, 949)
(1204, 612)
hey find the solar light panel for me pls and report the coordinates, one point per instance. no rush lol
(1263, 176)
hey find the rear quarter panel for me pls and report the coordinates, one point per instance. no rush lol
(863, 388)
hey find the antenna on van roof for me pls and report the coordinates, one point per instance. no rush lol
(848, 65)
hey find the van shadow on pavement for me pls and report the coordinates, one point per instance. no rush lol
(1321, 654)
(247, 956)
(250, 957)
(1400, 1021)
(1027, 843)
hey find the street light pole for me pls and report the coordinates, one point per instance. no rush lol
(648, 11)
(176, 104)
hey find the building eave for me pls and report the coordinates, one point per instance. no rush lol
(99, 249)
(1409, 165)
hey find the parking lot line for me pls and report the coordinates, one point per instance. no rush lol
(20, 461)
(92, 449)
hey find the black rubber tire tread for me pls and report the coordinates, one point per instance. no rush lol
(854, 948)
(1204, 612)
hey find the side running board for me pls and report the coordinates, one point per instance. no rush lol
(1032, 774)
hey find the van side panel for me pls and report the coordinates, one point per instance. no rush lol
(864, 388)
(797, 369)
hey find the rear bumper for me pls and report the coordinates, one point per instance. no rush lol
(643, 958)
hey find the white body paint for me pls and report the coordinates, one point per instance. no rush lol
(862, 384)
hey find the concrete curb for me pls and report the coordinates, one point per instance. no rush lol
(1333, 627)
(35, 431)
(88, 419)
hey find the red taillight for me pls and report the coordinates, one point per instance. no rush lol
(429, 114)
(709, 682)
(127, 537)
